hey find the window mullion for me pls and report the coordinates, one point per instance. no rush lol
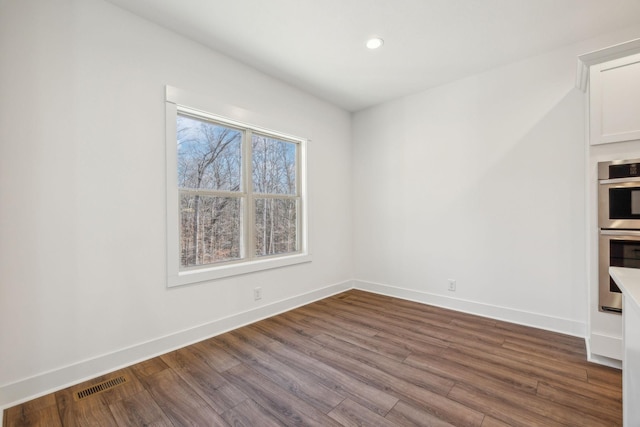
(276, 196)
(299, 193)
(213, 193)
(248, 208)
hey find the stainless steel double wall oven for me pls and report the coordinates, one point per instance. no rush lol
(619, 223)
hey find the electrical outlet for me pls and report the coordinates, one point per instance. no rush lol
(257, 294)
(452, 285)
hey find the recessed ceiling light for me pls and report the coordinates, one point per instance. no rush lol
(374, 43)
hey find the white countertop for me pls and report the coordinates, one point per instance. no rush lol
(628, 280)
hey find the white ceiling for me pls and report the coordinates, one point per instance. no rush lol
(318, 45)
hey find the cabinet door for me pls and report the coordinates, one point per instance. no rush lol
(615, 100)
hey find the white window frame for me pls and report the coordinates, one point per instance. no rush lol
(180, 101)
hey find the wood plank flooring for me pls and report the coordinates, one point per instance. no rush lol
(355, 359)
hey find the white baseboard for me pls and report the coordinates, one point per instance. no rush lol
(536, 320)
(47, 382)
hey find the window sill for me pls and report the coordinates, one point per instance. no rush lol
(189, 277)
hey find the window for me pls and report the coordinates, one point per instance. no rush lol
(235, 196)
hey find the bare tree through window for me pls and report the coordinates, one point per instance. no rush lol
(209, 165)
(274, 175)
(214, 206)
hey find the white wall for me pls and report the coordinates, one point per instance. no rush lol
(481, 181)
(82, 191)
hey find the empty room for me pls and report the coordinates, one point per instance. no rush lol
(336, 212)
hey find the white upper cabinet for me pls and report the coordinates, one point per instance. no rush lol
(614, 101)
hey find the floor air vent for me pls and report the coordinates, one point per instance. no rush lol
(99, 388)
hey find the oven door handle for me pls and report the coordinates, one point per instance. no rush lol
(620, 233)
(619, 180)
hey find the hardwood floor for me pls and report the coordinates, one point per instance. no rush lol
(355, 359)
